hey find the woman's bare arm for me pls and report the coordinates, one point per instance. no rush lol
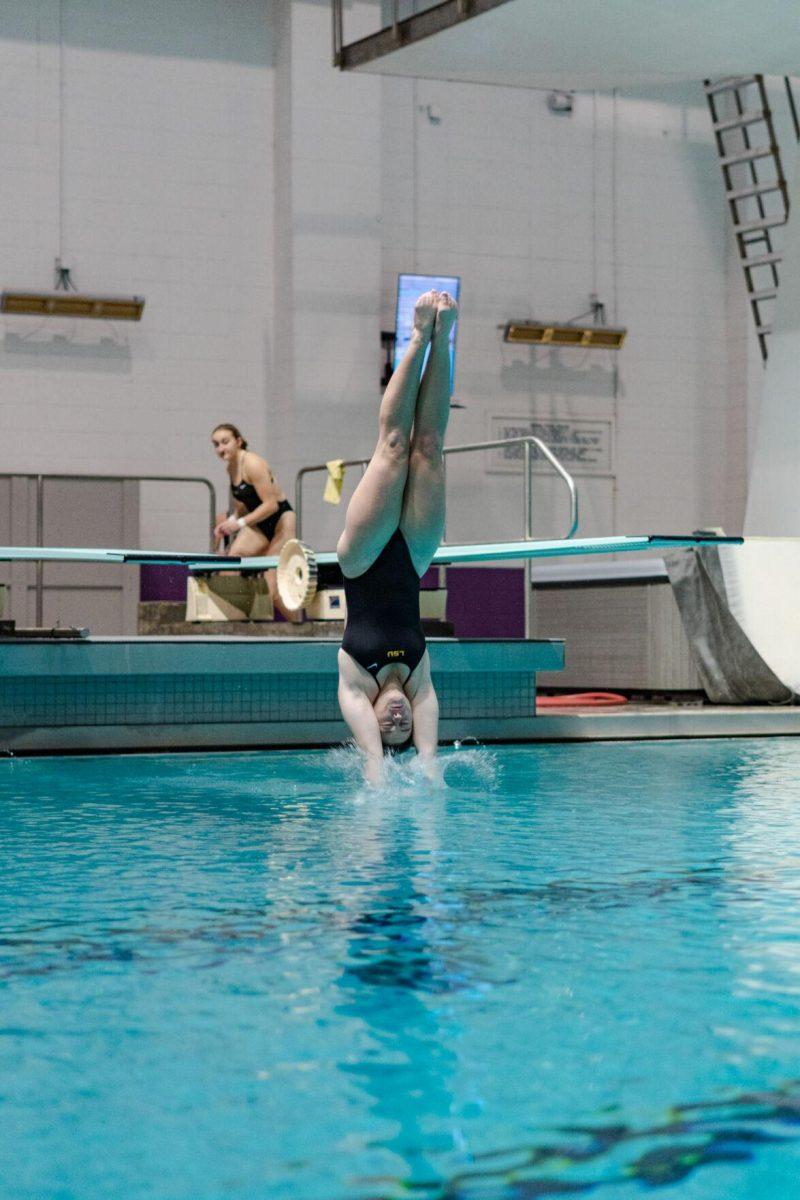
(425, 710)
(263, 481)
(360, 716)
(228, 523)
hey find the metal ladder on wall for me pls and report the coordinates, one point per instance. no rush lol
(755, 185)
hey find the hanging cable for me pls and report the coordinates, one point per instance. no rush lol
(60, 133)
(594, 194)
(581, 700)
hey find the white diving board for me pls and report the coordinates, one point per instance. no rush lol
(479, 552)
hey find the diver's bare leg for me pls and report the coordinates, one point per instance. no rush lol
(374, 510)
(422, 519)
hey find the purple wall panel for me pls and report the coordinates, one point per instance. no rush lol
(162, 582)
(481, 601)
(486, 601)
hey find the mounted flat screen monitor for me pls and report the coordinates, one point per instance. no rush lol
(408, 288)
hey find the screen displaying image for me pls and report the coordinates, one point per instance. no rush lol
(409, 287)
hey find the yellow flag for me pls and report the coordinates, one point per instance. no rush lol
(333, 484)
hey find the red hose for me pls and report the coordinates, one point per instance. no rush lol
(581, 700)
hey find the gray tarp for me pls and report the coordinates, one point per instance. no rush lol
(731, 669)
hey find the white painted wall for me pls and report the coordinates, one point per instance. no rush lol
(151, 176)
(535, 211)
(263, 203)
(327, 255)
(772, 503)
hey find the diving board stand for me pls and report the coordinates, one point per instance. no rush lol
(478, 552)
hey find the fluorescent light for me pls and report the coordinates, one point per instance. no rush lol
(539, 333)
(72, 304)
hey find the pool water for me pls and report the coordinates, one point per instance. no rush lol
(575, 970)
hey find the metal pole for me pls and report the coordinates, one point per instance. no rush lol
(40, 479)
(526, 450)
(792, 106)
(39, 542)
(298, 503)
(525, 442)
(441, 581)
(363, 463)
(338, 32)
(444, 526)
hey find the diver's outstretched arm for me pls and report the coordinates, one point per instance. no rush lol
(361, 721)
(425, 714)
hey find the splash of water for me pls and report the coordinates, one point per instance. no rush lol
(473, 769)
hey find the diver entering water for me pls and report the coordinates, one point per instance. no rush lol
(393, 527)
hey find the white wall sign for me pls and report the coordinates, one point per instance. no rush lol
(582, 446)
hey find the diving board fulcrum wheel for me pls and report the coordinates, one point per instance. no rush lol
(297, 575)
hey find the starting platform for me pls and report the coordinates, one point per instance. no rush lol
(159, 693)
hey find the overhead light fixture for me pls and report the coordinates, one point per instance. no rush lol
(72, 304)
(539, 333)
(560, 102)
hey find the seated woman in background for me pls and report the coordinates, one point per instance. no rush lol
(263, 519)
(392, 530)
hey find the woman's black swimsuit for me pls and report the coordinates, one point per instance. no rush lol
(383, 624)
(247, 495)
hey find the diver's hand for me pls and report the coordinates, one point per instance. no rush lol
(374, 771)
(432, 767)
(228, 528)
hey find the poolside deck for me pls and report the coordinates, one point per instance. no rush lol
(666, 719)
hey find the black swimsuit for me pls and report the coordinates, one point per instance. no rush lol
(383, 624)
(247, 495)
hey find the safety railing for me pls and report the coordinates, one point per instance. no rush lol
(337, 12)
(528, 444)
(400, 14)
(338, 31)
(41, 479)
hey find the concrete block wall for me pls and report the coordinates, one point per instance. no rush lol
(535, 211)
(328, 259)
(264, 204)
(136, 142)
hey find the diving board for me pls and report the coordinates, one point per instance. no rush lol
(478, 552)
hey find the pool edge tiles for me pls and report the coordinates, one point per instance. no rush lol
(160, 692)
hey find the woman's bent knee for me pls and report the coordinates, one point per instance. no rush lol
(428, 447)
(393, 444)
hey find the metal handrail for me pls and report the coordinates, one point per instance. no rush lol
(40, 482)
(338, 31)
(547, 453)
(337, 19)
(526, 443)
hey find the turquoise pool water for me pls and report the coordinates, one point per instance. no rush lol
(576, 970)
